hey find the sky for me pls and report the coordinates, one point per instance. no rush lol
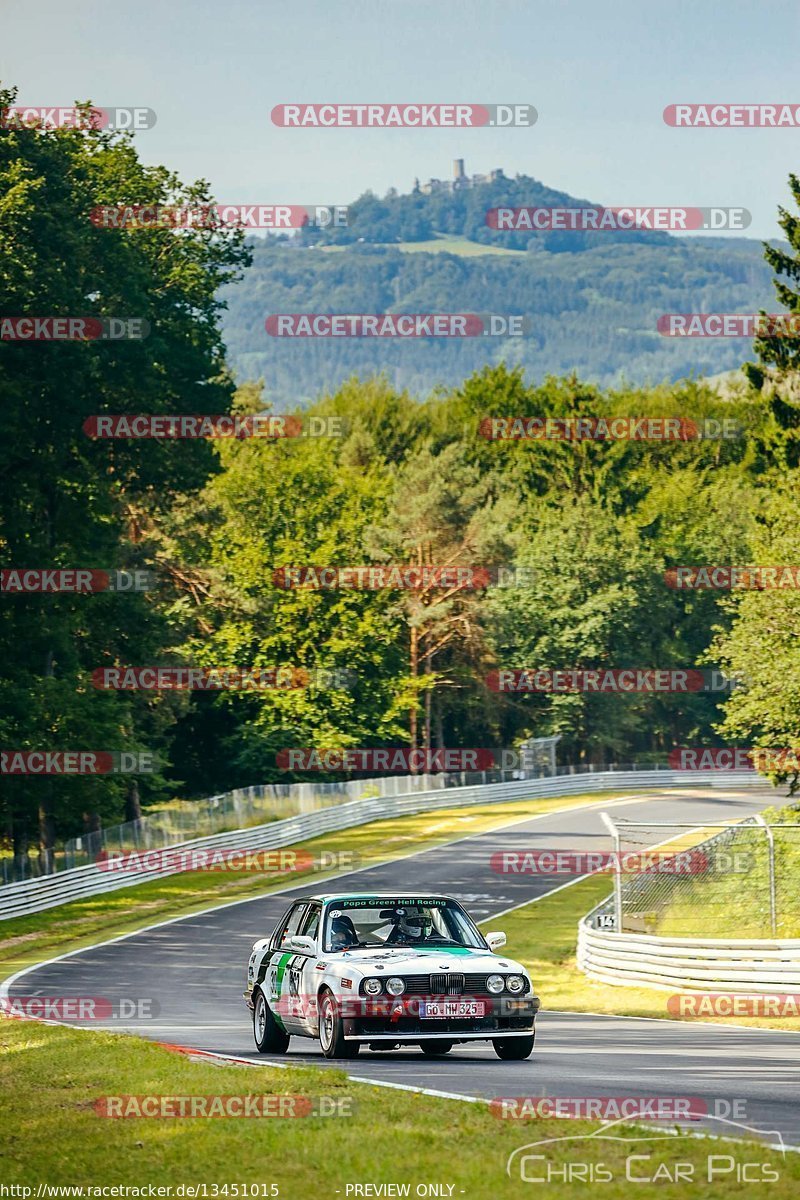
(599, 76)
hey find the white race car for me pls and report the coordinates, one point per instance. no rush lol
(388, 971)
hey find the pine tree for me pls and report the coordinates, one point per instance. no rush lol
(777, 374)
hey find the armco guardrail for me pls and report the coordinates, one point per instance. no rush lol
(694, 964)
(33, 895)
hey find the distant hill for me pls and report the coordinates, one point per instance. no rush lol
(592, 299)
(461, 212)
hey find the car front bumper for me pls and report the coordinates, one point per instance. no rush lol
(400, 1020)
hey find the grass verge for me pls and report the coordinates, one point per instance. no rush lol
(52, 1077)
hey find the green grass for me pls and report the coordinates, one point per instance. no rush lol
(52, 1077)
(449, 243)
(25, 941)
(543, 936)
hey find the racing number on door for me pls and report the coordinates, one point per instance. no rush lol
(294, 977)
(283, 989)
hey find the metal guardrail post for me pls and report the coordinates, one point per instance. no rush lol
(773, 914)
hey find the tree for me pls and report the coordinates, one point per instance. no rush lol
(761, 645)
(593, 601)
(436, 517)
(776, 373)
(277, 505)
(69, 500)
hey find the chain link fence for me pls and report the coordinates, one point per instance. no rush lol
(258, 805)
(245, 807)
(239, 809)
(719, 881)
(242, 808)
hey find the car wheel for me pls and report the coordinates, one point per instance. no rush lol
(433, 1048)
(269, 1037)
(331, 1029)
(513, 1048)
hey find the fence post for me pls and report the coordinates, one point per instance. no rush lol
(773, 915)
(612, 829)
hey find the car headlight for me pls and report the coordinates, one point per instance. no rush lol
(373, 986)
(495, 983)
(395, 986)
(515, 983)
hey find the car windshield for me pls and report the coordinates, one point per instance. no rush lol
(422, 923)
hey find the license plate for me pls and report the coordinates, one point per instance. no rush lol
(452, 1008)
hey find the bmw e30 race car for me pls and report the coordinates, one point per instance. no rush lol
(387, 971)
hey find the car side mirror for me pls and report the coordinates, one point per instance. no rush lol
(304, 945)
(495, 940)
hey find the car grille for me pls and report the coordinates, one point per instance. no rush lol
(448, 983)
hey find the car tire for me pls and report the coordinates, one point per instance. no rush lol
(511, 1049)
(268, 1035)
(433, 1049)
(331, 1029)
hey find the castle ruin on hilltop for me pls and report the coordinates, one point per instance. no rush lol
(460, 180)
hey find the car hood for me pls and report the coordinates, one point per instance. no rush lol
(459, 959)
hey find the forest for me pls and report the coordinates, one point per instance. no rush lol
(574, 539)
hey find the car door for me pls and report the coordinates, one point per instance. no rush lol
(278, 980)
(303, 972)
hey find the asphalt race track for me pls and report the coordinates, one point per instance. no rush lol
(194, 968)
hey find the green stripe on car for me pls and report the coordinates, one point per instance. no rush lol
(282, 961)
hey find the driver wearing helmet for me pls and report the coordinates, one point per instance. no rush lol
(409, 926)
(343, 933)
